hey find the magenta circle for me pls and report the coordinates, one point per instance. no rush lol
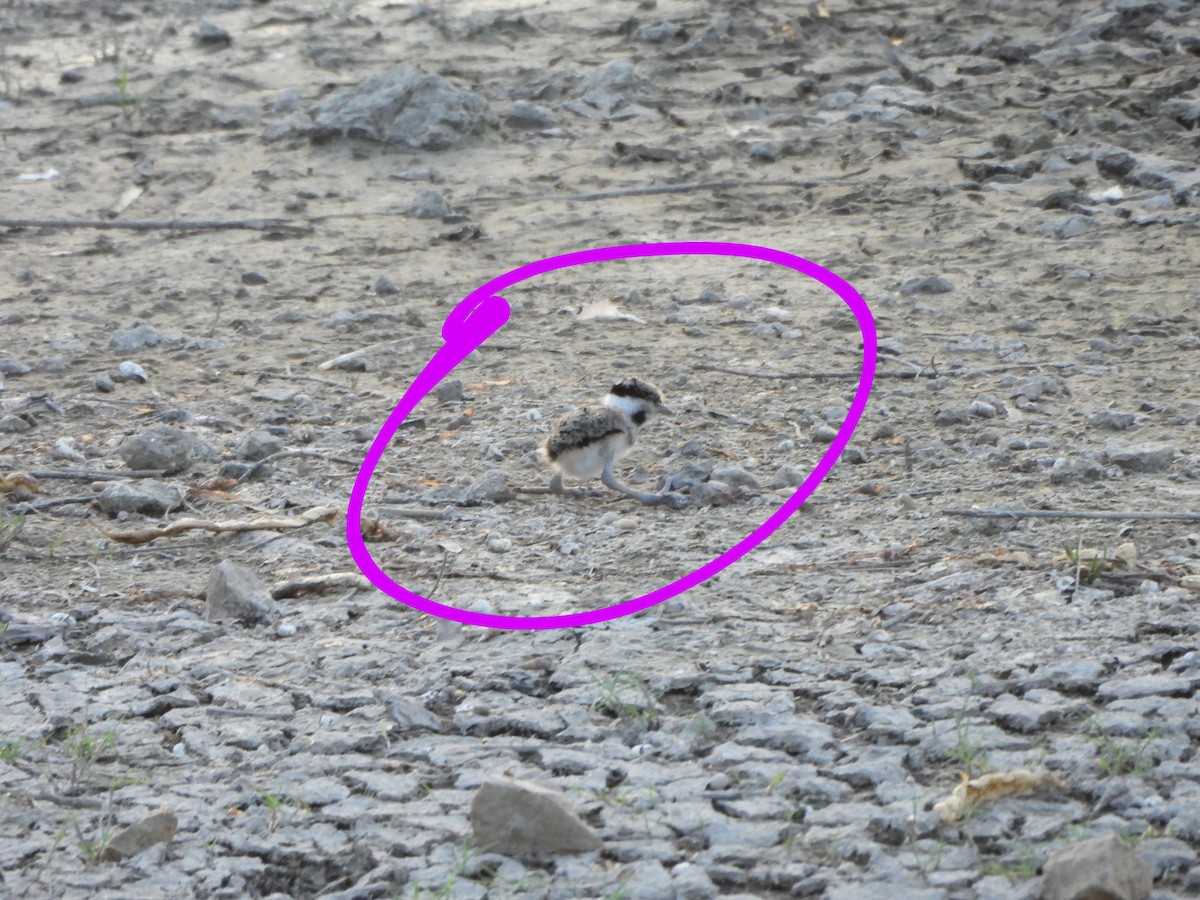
(482, 313)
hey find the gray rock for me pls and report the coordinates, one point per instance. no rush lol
(926, 284)
(288, 101)
(237, 593)
(253, 277)
(1166, 856)
(491, 488)
(160, 447)
(1023, 715)
(618, 78)
(875, 766)
(13, 368)
(213, 36)
(158, 828)
(1148, 457)
(645, 879)
(136, 338)
(1071, 226)
(1036, 386)
(764, 151)
(409, 713)
(788, 476)
(449, 391)
(519, 818)
(149, 498)
(530, 117)
(258, 444)
(1103, 867)
(430, 205)
(403, 106)
(1071, 676)
(385, 287)
(952, 415)
(1146, 686)
(13, 425)
(321, 791)
(739, 479)
(660, 32)
(691, 882)
(805, 738)
(1112, 421)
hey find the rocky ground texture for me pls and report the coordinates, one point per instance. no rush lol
(230, 234)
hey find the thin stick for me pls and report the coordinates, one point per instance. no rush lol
(854, 376)
(280, 225)
(320, 454)
(686, 188)
(354, 354)
(1072, 514)
(85, 475)
(41, 505)
(319, 583)
(145, 535)
(410, 512)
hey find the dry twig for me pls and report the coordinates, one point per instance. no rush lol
(266, 523)
(1114, 515)
(281, 226)
(319, 583)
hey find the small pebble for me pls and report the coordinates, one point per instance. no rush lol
(253, 277)
(213, 36)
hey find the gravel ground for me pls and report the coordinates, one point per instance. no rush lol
(269, 210)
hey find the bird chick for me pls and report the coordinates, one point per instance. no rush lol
(587, 442)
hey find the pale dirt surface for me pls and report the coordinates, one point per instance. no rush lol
(837, 134)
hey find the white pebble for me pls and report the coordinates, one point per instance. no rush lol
(287, 629)
(64, 448)
(132, 370)
(499, 544)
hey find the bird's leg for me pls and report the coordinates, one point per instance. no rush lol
(556, 487)
(610, 481)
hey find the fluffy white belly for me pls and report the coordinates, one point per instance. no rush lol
(588, 462)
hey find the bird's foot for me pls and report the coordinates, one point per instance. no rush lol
(556, 487)
(671, 499)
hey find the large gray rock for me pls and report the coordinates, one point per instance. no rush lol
(1147, 457)
(136, 338)
(525, 819)
(237, 593)
(160, 447)
(1103, 868)
(403, 106)
(158, 828)
(150, 498)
